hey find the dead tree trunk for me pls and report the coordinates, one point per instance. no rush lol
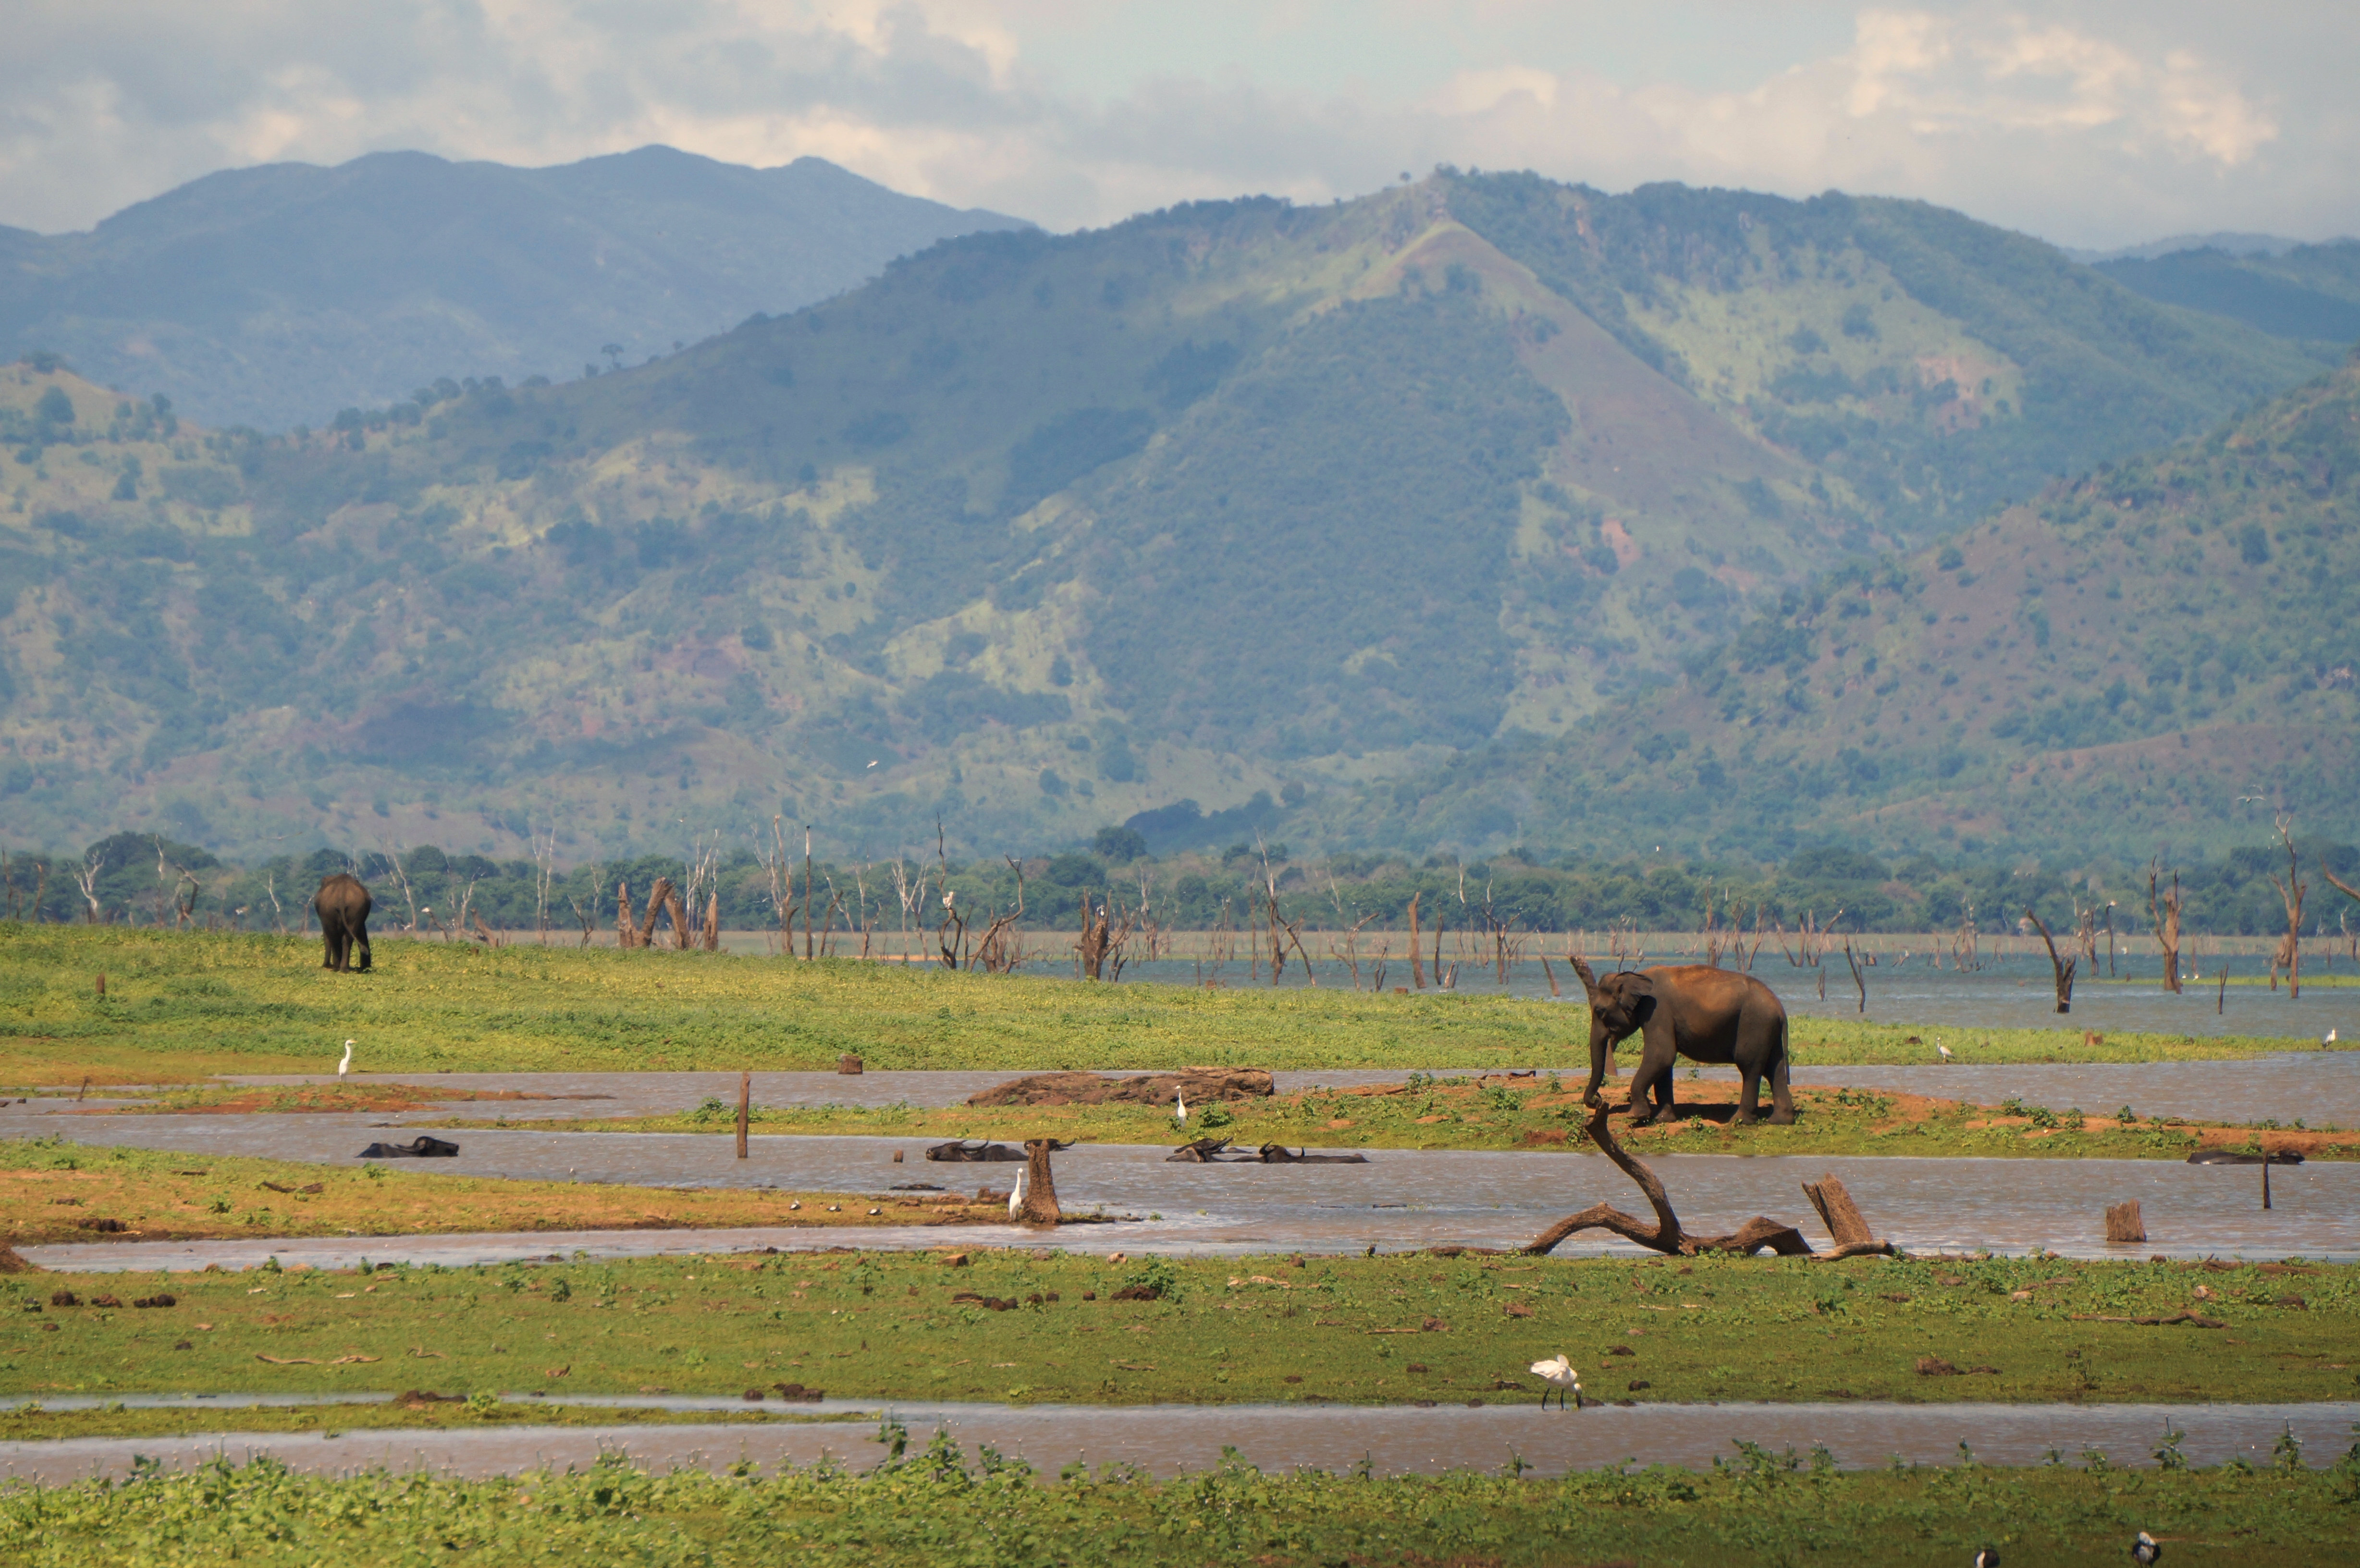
(2290, 954)
(1416, 964)
(2163, 909)
(626, 929)
(712, 922)
(1666, 1235)
(2062, 967)
(1039, 1204)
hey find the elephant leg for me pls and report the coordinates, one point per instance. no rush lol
(1749, 1095)
(360, 935)
(327, 946)
(1655, 1073)
(1600, 1052)
(1782, 1099)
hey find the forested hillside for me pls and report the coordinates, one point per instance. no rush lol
(276, 296)
(2156, 655)
(1206, 519)
(2311, 293)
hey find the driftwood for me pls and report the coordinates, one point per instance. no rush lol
(2235, 1157)
(1667, 1235)
(2193, 1319)
(958, 1153)
(1278, 1154)
(1838, 1212)
(2123, 1223)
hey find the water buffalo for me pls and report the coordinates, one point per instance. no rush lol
(342, 905)
(1692, 1010)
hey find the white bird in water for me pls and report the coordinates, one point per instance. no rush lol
(1179, 1108)
(1016, 1194)
(1944, 1052)
(345, 1066)
(1558, 1374)
(2327, 1039)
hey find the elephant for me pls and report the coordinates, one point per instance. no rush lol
(1697, 1011)
(342, 905)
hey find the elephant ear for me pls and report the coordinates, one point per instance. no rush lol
(1589, 980)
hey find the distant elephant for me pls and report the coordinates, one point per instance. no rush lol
(342, 905)
(1692, 1010)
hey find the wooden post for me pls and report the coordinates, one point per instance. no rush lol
(1416, 964)
(2265, 1179)
(744, 1103)
(102, 987)
(2221, 1001)
(2124, 1225)
(848, 1065)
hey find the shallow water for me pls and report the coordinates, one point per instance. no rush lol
(1400, 1199)
(1394, 1440)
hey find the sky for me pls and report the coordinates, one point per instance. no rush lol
(2090, 123)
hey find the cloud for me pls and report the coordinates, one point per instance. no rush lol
(2092, 121)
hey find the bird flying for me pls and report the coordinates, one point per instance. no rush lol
(1558, 1374)
(346, 1064)
(2145, 1549)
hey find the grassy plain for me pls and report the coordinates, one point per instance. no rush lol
(50, 1188)
(1391, 1329)
(179, 1007)
(1497, 1113)
(930, 1503)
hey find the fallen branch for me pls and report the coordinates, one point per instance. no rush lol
(2186, 1317)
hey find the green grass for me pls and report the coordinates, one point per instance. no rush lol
(1384, 1329)
(929, 1504)
(181, 1006)
(1546, 1112)
(28, 1423)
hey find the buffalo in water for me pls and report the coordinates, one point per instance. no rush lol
(342, 906)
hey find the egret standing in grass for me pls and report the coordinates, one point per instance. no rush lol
(1942, 1054)
(1558, 1374)
(1179, 1108)
(345, 1066)
(2328, 1039)
(1016, 1194)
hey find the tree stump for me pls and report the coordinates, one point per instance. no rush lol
(2123, 1223)
(1039, 1205)
(1838, 1212)
(848, 1065)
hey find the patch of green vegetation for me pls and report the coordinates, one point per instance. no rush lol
(1455, 1113)
(932, 1503)
(1043, 1327)
(181, 1006)
(28, 1423)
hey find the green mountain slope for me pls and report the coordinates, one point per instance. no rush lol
(2158, 655)
(278, 295)
(1225, 505)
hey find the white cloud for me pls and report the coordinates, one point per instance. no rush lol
(2094, 121)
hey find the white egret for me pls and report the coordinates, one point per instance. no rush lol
(1179, 1108)
(1016, 1194)
(345, 1066)
(1558, 1374)
(1944, 1052)
(2145, 1549)
(2328, 1039)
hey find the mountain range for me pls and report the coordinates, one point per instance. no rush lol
(278, 295)
(1232, 515)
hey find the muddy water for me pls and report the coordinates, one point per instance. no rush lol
(1394, 1440)
(1400, 1199)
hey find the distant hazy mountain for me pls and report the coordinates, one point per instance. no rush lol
(1039, 532)
(2308, 292)
(2227, 241)
(278, 295)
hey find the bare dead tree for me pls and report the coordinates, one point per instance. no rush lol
(1105, 930)
(1417, 965)
(85, 877)
(2062, 967)
(402, 876)
(1351, 957)
(1001, 948)
(2163, 909)
(2289, 953)
(950, 937)
(545, 857)
(185, 887)
(1853, 965)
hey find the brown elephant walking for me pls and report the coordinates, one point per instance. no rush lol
(342, 906)
(1692, 1010)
